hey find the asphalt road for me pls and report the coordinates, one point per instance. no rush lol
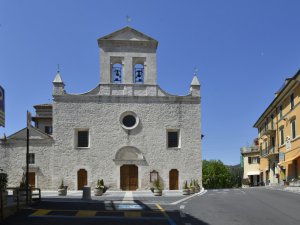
(257, 206)
(225, 207)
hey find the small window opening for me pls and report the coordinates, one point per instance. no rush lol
(83, 139)
(139, 73)
(117, 73)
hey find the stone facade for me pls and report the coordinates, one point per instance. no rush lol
(101, 111)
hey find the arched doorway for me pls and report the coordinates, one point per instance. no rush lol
(81, 179)
(173, 179)
(129, 177)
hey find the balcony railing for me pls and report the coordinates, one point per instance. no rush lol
(269, 131)
(268, 151)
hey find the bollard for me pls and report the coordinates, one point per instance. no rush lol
(86, 193)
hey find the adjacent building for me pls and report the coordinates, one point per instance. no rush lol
(251, 164)
(279, 134)
(127, 130)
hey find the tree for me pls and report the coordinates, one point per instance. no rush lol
(237, 175)
(216, 175)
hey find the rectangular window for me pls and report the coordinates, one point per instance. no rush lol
(253, 160)
(281, 135)
(266, 145)
(266, 126)
(292, 101)
(31, 158)
(293, 125)
(280, 111)
(173, 139)
(48, 129)
(272, 121)
(273, 142)
(83, 139)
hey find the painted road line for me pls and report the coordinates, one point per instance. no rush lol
(202, 192)
(128, 196)
(171, 222)
(85, 213)
(182, 207)
(41, 212)
(132, 214)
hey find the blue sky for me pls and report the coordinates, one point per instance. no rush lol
(243, 51)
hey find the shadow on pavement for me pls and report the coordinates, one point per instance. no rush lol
(99, 212)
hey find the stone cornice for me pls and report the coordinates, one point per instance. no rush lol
(127, 99)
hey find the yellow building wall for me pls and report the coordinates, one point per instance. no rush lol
(288, 115)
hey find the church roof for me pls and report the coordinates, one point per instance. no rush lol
(34, 133)
(127, 34)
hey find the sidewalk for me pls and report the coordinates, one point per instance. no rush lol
(285, 188)
(168, 197)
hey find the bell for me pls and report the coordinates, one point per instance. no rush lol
(140, 80)
(139, 73)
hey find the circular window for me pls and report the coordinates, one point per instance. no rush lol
(129, 120)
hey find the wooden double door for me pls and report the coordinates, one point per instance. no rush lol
(129, 177)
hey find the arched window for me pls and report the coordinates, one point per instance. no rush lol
(116, 73)
(138, 73)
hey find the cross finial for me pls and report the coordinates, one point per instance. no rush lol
(58, 68)
(195, 71)
(128, 19)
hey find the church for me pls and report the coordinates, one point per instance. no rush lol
(126, 131)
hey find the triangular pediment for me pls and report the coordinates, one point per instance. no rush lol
(127, 34)
(34, 134)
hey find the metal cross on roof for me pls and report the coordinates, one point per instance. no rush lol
(128, 19)
(195, 71)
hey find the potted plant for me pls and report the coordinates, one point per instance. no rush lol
(62, 189)
(192, 188)
(157, 188)
(197, 186)
(3, 186)
(100, 188)
(185, 190)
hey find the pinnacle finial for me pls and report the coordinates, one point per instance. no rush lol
(195, 71)
(128, 19)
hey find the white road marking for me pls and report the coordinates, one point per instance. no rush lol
(128, 197)
(188, 197)
(182, 207)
